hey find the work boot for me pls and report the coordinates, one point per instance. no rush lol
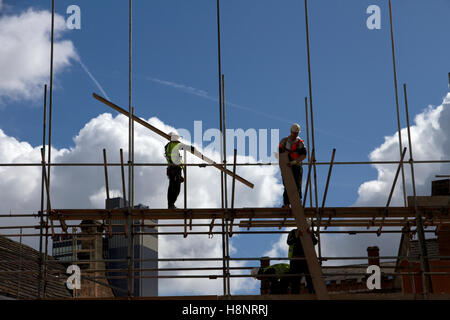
(172, 206)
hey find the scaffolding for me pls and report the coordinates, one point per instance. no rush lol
(407, 220)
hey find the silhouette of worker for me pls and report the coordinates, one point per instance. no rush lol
(299, 267)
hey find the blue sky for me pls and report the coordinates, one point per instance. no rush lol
(264, 62)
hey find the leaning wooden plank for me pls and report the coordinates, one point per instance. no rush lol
(300, 219)
(191, 149)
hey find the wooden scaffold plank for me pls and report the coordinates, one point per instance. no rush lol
(300, 219)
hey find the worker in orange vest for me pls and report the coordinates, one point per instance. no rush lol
(297, 153)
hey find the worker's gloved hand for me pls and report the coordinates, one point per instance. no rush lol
(292, 163)
(181, 179)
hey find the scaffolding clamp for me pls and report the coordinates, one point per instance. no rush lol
(250, 220)
(233, 213)
(284, 220)
(211, 226)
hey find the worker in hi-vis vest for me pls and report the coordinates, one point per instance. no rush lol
(274, 274)
(299, 267)
(297, 153)
(174, 159)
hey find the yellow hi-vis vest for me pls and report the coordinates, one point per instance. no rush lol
(280, 268)
(172, 153)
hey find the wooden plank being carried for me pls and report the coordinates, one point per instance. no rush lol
(300, 220)
(191, 149)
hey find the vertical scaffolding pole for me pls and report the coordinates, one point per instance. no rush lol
(130, 156)
(307, 144)
(424, 262)
(49, 136)
(323, 205)
(185, 179)
(396, 102)
(221, 146)
(227, 236)
(310, 100)
(41, 213)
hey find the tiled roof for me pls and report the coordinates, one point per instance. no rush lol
(22, 282)
(354, 272)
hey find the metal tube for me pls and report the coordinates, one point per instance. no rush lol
(101, 164)
(234, 180)
(233, 192)
(221, 142)
(424, 263)
(309, 156)
(219, 58)
(396, 102)
(308, 179)
(130, 154)
(50, 127)
(106, 174)
(323, 204)
(51, 91)
(185, 181)
(41, 213)
(224, 135)
(123, 178)
(46, 224)
(310, 100)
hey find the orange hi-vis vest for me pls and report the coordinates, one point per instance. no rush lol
(298, 144)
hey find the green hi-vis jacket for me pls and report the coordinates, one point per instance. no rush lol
(279, 268)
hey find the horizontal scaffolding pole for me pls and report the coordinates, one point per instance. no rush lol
(137, 164)
(193, 233)
(268, 224)
(242, 213)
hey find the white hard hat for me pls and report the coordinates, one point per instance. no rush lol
(174, 136)
(295, 127)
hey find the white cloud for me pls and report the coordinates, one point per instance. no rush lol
(83, 187)
(430, 141)
(25, 53)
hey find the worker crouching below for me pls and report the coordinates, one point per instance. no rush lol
(174, 159)
(297, 153)
(299, 267)
(273, 277)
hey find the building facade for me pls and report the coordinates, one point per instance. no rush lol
(145, 247)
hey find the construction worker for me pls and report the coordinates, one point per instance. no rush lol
(278, 285)
(298, 267)
(173, 157)
(297, 153)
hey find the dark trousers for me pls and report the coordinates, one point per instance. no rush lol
(300, 267)
(297, 171)
(278, 285)
(174, 175)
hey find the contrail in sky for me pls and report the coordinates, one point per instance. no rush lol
(203, 94)
(93, 79)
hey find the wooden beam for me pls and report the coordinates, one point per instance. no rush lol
(300, 219)
(190, 149)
